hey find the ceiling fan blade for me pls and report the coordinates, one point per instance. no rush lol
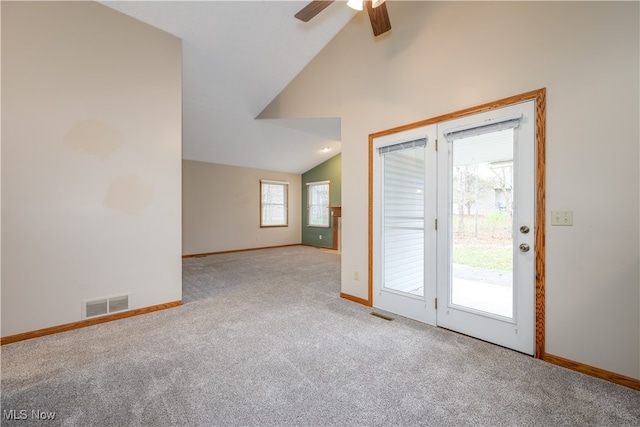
(379, 18)
(312, 9)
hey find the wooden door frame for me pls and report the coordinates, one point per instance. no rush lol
(336, 212)
(539, 96)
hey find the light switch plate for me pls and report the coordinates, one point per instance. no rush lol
(561, 217)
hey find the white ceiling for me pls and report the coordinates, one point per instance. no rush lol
(237, 57)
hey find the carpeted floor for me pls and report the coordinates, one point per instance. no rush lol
(263, 339)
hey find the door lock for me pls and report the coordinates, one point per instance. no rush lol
(524, 247)
(524, 229)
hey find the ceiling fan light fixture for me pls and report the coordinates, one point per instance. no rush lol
(376, 9)
(355, 4)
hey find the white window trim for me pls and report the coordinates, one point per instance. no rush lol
(285, 184)
(328, 207)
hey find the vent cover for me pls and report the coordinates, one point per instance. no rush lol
(382, 316)
(118, 303)
(96, 307)
(102, 306)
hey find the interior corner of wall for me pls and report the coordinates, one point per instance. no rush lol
(272, 110)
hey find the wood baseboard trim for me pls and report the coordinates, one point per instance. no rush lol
(355, 299)
(238, 250)
(592, 371)
(317, 246)
(85, 323)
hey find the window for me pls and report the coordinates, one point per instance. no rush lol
(318, 203)
(273, 203)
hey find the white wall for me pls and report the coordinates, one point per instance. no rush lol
(442, 57)
(221, 209)
(91, 168)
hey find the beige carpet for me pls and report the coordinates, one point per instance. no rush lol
(264, 340)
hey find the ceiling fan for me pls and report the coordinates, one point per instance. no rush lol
(377, 10)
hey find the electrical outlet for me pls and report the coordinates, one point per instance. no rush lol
(356, 276)
(320, 237)
(561, 217)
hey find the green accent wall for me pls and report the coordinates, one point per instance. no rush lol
(330, 170)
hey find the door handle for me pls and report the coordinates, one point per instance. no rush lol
(524, 247)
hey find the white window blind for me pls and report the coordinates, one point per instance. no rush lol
(489, 126)
(404, 216)
(403, 146)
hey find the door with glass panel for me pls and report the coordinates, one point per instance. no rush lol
(404, 223)
(453, 217)
(486, 211)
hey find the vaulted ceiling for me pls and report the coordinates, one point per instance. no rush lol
(237, 57)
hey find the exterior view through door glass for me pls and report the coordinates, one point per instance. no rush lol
(482, 222)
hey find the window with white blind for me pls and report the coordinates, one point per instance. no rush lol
(318, 204)
(403, 204)
(273, 203)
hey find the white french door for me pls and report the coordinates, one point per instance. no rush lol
(486, 246)
(453, 228)
(405, 254)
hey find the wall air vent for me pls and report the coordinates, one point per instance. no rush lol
(96, 307)
(106, 305)
(118, 303)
